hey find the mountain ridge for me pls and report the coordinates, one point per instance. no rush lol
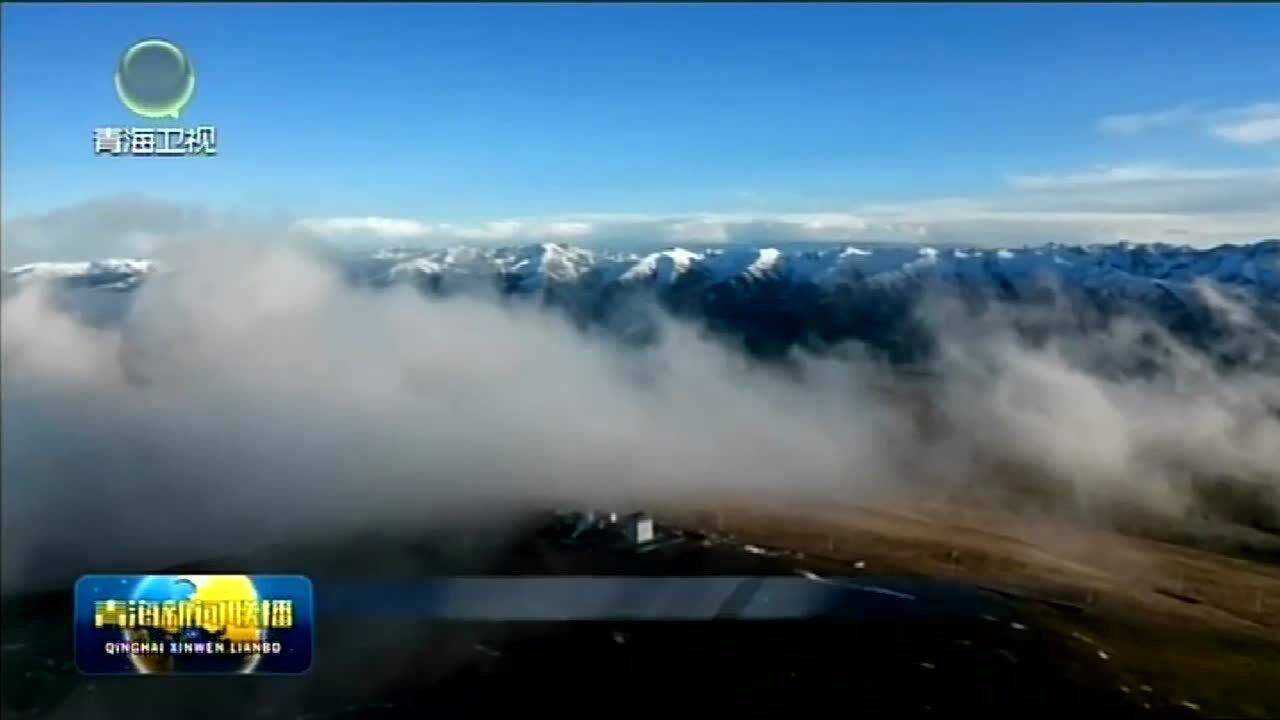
(775, 299)
(528, 267)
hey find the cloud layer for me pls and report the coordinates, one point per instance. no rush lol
(1137, 203)
(1202, 208)
(1255, 124)
(287, 404)
(1252, 125)
(1134, 123)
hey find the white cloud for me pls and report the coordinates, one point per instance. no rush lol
(699, 231)
(1133, 123)
(568, 230)
(387, 229)
(1252, 125)
(1139, 203)
(361, 410)
(383, 227)
(1105, 176)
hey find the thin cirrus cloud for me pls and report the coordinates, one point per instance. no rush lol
(1133, 123)
(1254, 124)
(976, 224)
(1120, 175)
(1141, 203)
(1200, 206)
(393, 229)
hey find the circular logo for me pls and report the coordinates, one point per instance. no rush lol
(205, 588)
(155, 79)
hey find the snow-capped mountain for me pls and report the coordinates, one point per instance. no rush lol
(108, 274)
(775, 298)
(1116, 267)
(1122, 267)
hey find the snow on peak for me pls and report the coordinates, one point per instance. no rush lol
(424, 265)
(67, 270)
(665, 265)
(764, 263)
(564, 262)
(1126, 268)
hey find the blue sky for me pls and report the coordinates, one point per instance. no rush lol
(455, 116)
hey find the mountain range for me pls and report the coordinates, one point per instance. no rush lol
(776, 298)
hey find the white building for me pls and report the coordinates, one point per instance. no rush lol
(638, 528)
